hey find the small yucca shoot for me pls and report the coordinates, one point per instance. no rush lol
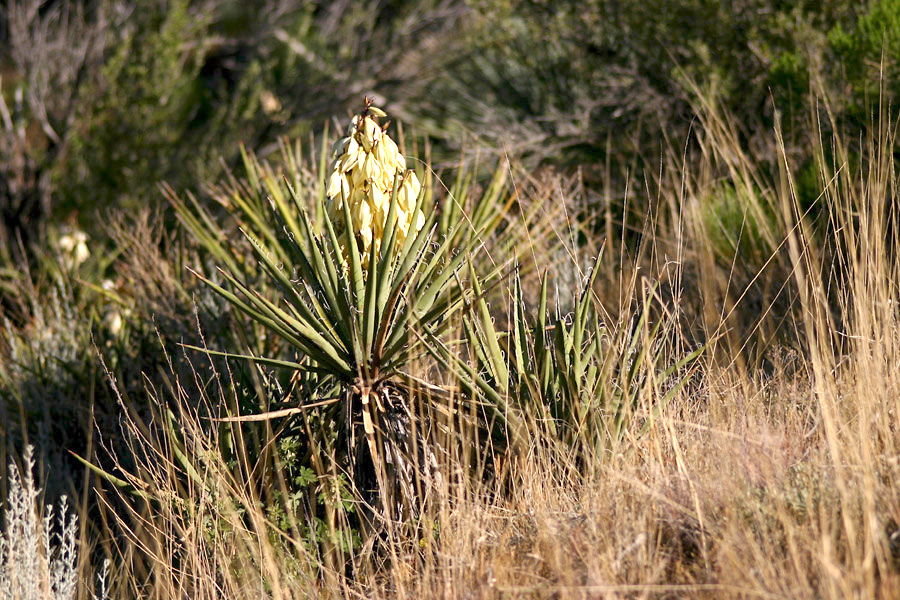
(580, 379)
(351, 290)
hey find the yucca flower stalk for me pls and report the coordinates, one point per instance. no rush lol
(357, 294)
(363, 175)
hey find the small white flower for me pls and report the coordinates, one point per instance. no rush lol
(113, 322)
(270, 103)
(74, 250)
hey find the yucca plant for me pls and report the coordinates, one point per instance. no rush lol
(580, 377)
(358, 279)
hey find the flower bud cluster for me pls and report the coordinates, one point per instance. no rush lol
(363, 173)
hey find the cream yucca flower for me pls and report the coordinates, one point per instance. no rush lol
(367, 161)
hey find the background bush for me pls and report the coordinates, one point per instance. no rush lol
(105, 99)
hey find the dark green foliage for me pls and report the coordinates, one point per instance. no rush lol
(158, 114)
(167, 91)
(570, 74)
(176, 86)
(869, 51)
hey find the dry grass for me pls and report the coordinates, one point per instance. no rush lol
(772, 475)
(756, 489)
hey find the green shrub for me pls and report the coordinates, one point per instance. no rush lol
(869, 52)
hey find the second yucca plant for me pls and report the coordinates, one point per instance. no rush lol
(357, 294)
